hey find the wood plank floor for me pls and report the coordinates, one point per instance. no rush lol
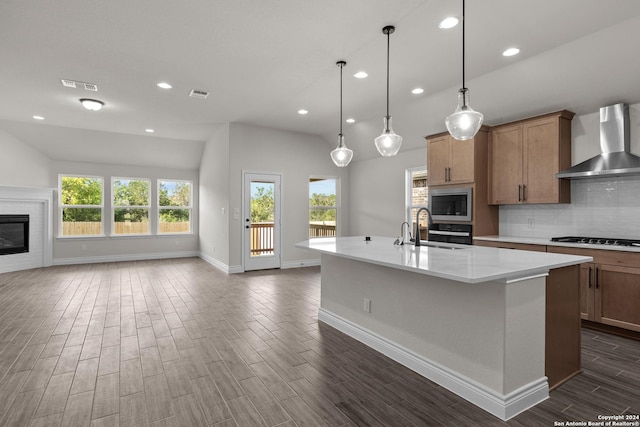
(178, 343)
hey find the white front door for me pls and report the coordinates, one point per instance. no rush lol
(261, 221)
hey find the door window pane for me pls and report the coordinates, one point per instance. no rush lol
(262, 217)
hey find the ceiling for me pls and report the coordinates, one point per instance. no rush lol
(263, 60)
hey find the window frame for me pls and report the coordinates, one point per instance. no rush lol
(114, 207)
(408, 185)
(161, 208)
(337, 207)
(62, 206)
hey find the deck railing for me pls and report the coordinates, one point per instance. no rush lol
(262, 236)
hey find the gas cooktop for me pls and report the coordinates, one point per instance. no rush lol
(596, 241)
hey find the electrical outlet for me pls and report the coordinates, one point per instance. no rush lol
(367, 305)
(531, 223)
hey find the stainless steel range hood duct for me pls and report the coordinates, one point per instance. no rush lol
(614, 158)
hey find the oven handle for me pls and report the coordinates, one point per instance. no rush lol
(450, 233)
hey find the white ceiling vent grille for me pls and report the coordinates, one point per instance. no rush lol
(68, 83)
(202, 94)
(74, 84)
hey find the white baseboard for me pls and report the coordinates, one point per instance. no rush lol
(301, 263)
(220, 265)
(123, 257)
(502, 406)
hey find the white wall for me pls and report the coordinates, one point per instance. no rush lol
(214, 197)
(21, 165)
(297, 157)
(600, 207)
(377, 204)
(98, 249)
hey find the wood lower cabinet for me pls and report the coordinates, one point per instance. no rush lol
(524, 157)
(562, 316)
(610, 287)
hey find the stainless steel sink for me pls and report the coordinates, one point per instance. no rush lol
(434, 245)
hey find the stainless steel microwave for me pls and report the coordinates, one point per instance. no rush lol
(451, 204)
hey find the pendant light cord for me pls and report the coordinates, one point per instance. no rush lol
(388, 44)
(341, 65)
(463, 55)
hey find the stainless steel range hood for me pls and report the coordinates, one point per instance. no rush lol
(615, 158)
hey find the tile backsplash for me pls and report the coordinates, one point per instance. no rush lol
(600, 207)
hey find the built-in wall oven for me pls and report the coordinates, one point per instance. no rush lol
(451, 233)
(450, 204)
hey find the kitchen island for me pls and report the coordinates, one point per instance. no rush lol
(471, 319)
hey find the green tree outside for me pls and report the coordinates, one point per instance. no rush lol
(81, 191)
(176, 195)
(322, 207)
(262, 204)
(131, 193)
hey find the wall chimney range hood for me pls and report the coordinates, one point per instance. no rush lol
(614, 158)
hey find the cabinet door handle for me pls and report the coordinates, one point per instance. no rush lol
(590, 277)
(519, 193)
(524, 192)
(449, 171)
(597, 278)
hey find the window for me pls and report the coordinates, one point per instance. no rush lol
(81, 204)
(131, 202)
(416, 197)
(323, 207)
(174, 206)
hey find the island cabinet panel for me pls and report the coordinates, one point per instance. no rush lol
(562, 316)
(609, 286)
(524, 157)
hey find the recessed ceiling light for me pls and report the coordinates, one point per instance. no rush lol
(350, 120)
(360, 75)
(38, 117)
(448, 22)
(164, 85)
(302, 111)
(511, 51)
(417, 91)
(149, 130)
(92, 104)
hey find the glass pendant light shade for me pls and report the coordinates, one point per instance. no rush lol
(388, 143)
(465, 122)
(341, 155)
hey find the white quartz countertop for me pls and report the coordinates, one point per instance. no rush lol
(465, 263)
(548, 242)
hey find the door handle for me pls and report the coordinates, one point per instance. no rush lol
(519, 193)
(590, 277)
(597, 278)
(524, 192)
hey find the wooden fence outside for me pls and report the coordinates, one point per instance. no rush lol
(95, 228)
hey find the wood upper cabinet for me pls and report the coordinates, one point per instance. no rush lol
(450, 161)
(524, 157)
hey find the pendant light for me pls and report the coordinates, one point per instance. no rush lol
(388, 143)
(464, 123)
(342, 155)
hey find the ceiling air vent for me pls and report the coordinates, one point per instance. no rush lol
(68, 83)
(199, 94)
(75, 84)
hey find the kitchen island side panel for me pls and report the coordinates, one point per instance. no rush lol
(490, 333)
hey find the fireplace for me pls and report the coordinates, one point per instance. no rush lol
(14, 234)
